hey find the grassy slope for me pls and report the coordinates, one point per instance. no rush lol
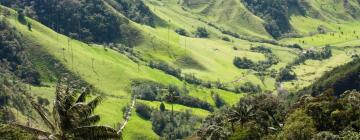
(111, 74)
(232, 15)
(212, 53)
(112, 71)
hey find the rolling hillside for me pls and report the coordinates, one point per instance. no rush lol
(144, 45)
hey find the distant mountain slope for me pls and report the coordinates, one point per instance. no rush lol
(340, 79)
(230, 14)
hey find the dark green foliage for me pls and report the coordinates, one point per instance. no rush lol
(136, 11)
(13, 55)
(42, 101)
(243, 63)
(29, 26)
(333, 114)
(219, 102)
(285, 74)
(298, 126)
(21, 16)
(152, 91)
(87, 20)
(296, 46)
(8, 132)
(201, 32)
(162, 107)
(192, 79)
(176, 72)
(250, 118)
(181, 31)
(276, 13)
(225, 38)
(249, 87)
(180, 126)
(143, 110)
(261, 66)
(148, 90)
(261, 49)
(194, 102)
(215, 126)
(322, 54)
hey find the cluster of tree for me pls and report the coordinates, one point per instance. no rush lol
(174, 126)
(201, 32)
(136, 11)
(219, 102)
(152, 91)
(286, 74)
(8, 132)
(267, 116)
(261, 49)
(87, 20)
(251, 118)
(13, 55)
(323, 53)
(143, 110)
(12, 95)
(182, 32)
(296, 46)
(276, 13)
(248, 87)
(163, 66)
(168, 124)
(245, 63)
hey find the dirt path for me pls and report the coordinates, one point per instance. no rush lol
(128, 115)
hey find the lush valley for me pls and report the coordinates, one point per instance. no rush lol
(181, 69)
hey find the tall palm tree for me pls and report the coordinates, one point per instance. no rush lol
(72, 117)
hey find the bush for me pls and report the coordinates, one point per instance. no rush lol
(243, 63)
(192, 79)
(219, 102)
(179, 126)
(225, 38)
(248, 87)
(162, 107)
(181, 31)
(201, 32)
(143, 110)
(21, 16)
(285, 74)
(302, 124)
(163, 66)
(261, 49)
(193, 102)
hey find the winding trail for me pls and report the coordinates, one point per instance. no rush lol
(128, 115)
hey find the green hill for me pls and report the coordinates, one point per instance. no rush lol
(123, 47)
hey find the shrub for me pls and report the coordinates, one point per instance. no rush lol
(162, 107)
(201, 32)
(243, 63)
(143, 110)
(285, 74)
(261, 49)
(225, 38)
(163, 66)
(181, 31)
(248, 87)
(21, 16)
(219, 102)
